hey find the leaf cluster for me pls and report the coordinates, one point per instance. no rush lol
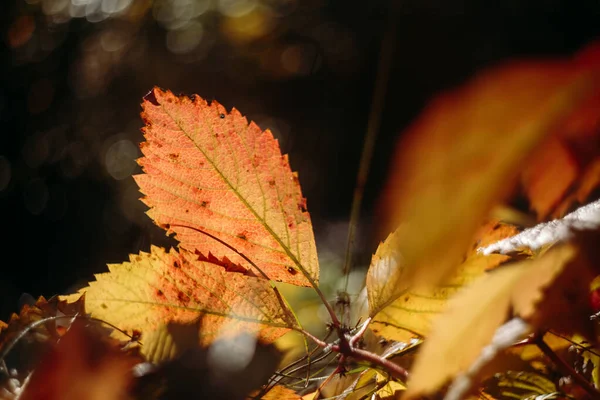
(457, 301)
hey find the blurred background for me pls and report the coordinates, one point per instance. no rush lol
(73, 72)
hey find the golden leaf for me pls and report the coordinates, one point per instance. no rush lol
(156, 288)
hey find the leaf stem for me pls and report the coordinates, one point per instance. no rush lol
(326, 303)
(566, 369)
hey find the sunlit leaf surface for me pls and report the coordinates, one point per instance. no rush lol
(208, 169)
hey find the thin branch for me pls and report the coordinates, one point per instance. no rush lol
(394, 369)
(352, 342)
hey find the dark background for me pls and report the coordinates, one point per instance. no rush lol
(73, 73)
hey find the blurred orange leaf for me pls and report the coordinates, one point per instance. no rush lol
(464, 155)
(207, 169)
(566, 169)
(540, 291)
(410, 315)
(154, 289)
(82, 366)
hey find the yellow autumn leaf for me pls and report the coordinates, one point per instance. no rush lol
(156, 288)
(410, 315)
(463, 155)
(519, 385)
(472, 317)
(280, 393)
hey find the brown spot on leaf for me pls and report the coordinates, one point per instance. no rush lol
(176, 264)
(292, 270)
(182, 297)
(222, 116)
(203, 203)
(242, 236)
(174, 157)
(136, 335)
(272, 182)
(302, 205)
(159, 293)
(103, 305)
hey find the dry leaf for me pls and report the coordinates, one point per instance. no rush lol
(410, 315)
(156, 288)
(464, 153)
(208, 169)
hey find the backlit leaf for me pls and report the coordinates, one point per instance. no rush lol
(464, 154)
(411, 314)
(208, 169)
(156, 288)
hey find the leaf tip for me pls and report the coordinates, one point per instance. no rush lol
(150, 97)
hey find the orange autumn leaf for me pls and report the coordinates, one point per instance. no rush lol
(208, 170)
(565, 170)
(157, 288)
(465, 152)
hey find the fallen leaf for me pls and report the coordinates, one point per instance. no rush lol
(464, 154)
(410, 315)
(156, 288)
(208, 170)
